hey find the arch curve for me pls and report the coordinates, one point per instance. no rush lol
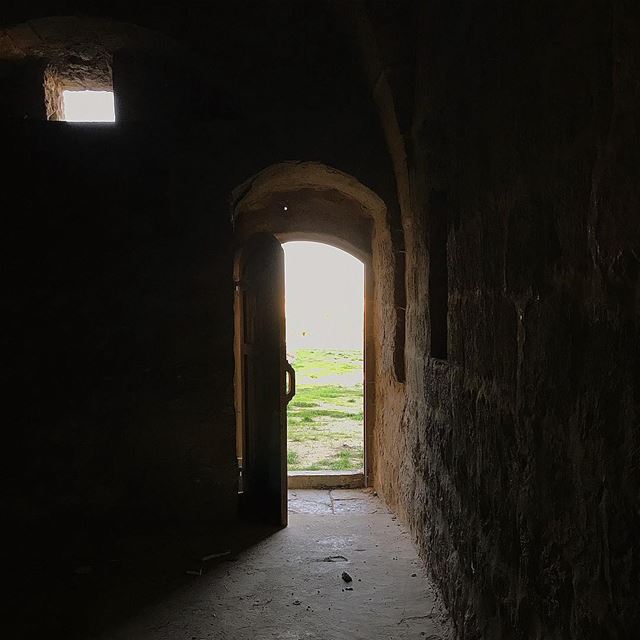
(309, 201)
(286, 177)
(328, 239)
(52, 37)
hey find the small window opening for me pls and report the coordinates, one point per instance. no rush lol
(438, 228)
(78, 86)
(88, 106)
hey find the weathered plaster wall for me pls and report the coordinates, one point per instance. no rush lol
(516, 460)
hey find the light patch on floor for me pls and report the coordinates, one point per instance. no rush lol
(292, 585)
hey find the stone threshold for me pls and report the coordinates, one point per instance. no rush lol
(325, 479)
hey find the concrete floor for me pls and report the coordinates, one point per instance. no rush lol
(290, 585)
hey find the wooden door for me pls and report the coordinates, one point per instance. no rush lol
(264, 368)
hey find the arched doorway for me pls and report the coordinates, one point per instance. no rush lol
(312, 202)
(324, 309)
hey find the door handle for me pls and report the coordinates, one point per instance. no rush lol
(291, 375)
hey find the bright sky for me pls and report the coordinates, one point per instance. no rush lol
(324, 297)
(88, 106)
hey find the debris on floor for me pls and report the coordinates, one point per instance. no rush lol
(211, 556)
(285, 584)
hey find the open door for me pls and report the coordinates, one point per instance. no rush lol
(263, 387)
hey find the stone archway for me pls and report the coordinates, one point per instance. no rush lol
(311, 201)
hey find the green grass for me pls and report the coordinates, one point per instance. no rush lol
(325, 421)
(345, 460)
(315, 363)
(311, 395)
(309, 415)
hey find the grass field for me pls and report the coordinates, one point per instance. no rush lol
(325, 419)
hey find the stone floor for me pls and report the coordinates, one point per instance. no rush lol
(291, 586)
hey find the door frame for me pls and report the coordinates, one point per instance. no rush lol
(369, 386)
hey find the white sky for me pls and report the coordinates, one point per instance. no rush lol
(88, 106)
(324, 297)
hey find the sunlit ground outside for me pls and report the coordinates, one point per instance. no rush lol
(325, 307)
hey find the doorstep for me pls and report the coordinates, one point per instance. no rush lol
(326, 480)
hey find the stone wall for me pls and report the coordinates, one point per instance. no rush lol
(515, 460)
